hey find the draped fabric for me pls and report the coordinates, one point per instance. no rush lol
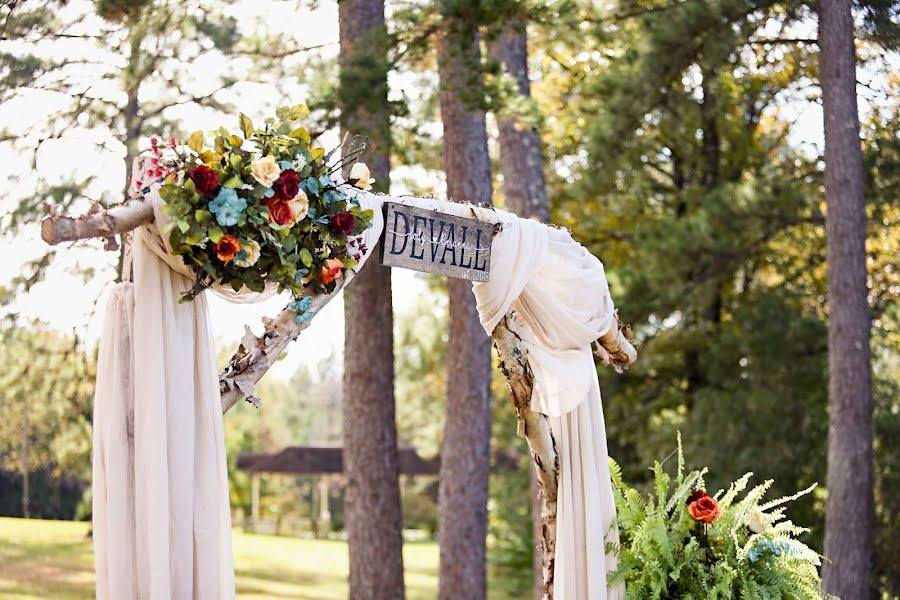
(562, 302)
(162, 524)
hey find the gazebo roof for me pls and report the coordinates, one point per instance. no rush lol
(297, 460)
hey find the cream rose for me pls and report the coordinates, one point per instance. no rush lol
(251, 250)
(299, 207)
(360, 176)
(265, 170)
(758, 521)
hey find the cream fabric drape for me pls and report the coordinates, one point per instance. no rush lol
(561, 298)
(162, 524)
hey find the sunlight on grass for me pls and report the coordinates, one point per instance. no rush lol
(52, 559)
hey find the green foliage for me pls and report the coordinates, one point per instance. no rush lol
(676, 160)
(46, 394)
(749, 551)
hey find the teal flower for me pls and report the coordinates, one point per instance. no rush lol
(227, 207)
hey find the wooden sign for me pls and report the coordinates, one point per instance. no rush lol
(435, 242)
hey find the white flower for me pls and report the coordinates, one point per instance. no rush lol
(299, 207)
(360, 176)
(248, 255)
(265, 170)
(299, 162)
(758, 521)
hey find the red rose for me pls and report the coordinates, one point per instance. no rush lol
(705, 509)
(227, 248)
(342, 223)
(205, 180)
(279, 211)
(287, 185)
(696, 495)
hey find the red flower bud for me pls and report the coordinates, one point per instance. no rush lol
(205, 180)
(342, 223)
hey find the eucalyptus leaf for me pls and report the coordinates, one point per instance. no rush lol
(195, 142)
(306, 257)
(246, 125)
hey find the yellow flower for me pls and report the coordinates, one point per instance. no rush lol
(265, 170)
(299, 207)
(360, 176)
(251, 250)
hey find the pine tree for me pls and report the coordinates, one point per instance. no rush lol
(849, 512)
(373, 514)
(465, 459)
(524, 189)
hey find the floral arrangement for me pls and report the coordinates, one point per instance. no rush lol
(683, 543)
(264, 207)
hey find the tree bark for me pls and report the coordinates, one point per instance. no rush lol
(525, 192)
(521, 154)
(463, 494)
(536, 429)
(371, 463)
(849, 511)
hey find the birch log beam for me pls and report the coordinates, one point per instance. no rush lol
(256, 355)
(102, 224)
(536, 429)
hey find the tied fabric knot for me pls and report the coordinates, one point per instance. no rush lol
(562, 304)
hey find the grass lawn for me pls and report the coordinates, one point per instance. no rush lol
(52, 559)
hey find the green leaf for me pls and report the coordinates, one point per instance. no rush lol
(349, 263)
(305, 257)
(202, 216)
(215, 234)
(183, 225)
(189, 186)
(195, 142)
(246, 125)
(301, 134)
(233, 182)
(195, 238)
(237, 163)
(298, 111)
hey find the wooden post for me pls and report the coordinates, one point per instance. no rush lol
(324, 510)
(254, 501)
(536, 428)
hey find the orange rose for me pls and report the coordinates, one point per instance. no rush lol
(227, 248)
(705, 509)
(280, 211)
(333, 270)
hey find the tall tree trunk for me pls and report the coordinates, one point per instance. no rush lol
(373, 513)
(521, 155)
(463, 492)
(525, 191)
(849, 512)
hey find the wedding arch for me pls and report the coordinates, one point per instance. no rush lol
(512, 305)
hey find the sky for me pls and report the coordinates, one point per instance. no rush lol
(66, 301)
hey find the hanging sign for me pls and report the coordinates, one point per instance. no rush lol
(435, 242)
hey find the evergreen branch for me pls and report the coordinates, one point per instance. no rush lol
(193, 99)
(277, 54)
